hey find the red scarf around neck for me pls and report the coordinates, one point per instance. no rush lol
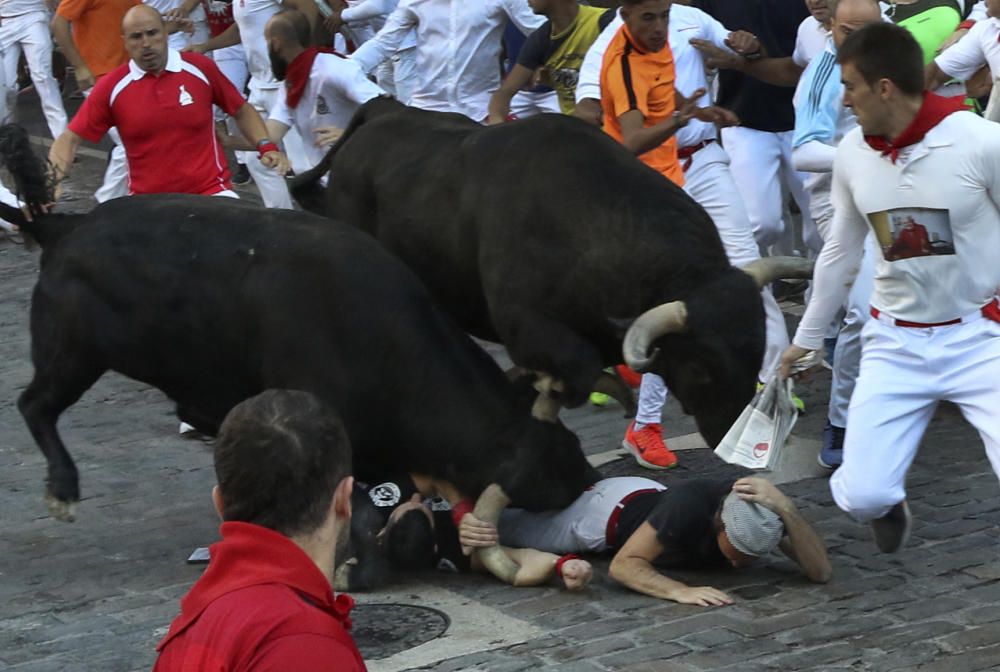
(297, 75)
(932, 111)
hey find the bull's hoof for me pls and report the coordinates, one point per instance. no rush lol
(59, 509)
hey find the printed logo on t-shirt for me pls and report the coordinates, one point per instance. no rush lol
(386, 494)
(321, 106)
(185, 97)
(905, 233)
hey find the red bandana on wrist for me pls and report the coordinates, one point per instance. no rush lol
(297, 75)
(934, 109)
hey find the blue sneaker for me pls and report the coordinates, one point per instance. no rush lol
(831, 455)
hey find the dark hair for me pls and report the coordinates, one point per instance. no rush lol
(631, 3)
(279, 457)
(885, 51)
(291, 24)
(409, 541)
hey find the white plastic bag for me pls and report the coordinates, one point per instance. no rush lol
(756, 438)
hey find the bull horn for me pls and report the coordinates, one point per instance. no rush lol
(766, 270)
(489, 506)
(668, 318)
(612, 385)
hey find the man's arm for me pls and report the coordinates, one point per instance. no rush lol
(801, 544)
(226, 38)
(500, 100)
(776, 71)
(253, 129)
(61, 156)
(633, 567)
(960, 61)
(63, 34)
(387, 41)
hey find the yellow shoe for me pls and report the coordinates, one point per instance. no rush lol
(599, 398)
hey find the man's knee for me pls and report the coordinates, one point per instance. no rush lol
(863, 499)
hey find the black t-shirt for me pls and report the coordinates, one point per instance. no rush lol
(775, 23)
(684, 519)
(449, 551)
(386, 494)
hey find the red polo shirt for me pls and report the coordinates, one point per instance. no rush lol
(165, 122)
(261, 605)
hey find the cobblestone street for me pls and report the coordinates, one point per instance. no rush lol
(99, 593)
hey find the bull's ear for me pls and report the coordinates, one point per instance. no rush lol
(620, 325)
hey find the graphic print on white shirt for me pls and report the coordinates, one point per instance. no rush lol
(904, 233)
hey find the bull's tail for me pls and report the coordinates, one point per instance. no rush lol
(33, 187)
(305, 188)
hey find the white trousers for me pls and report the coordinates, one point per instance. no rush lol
(905, 372)
(579, 528)
(116, 174)
(761, 164)
(30, 32)
(709, 181)
(273, 188)
(847, 355)
(526, 104)
(233, 64)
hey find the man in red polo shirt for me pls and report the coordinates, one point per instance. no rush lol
(161, 102)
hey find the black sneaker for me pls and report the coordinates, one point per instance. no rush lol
(242, 174)
(893, 529)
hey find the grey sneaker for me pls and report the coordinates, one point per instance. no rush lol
(893, 529)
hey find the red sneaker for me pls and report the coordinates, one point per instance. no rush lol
(647, 446)
(631, 378)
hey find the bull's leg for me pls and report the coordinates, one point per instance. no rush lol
(537, 342)
(55, 388)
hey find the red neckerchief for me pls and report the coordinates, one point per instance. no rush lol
(297, 75)
(251, 555)
(932, 111)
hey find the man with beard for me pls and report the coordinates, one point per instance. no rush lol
(320, 89)
(161, 102)
(266, 601)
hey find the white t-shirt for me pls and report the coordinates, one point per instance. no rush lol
(251, 16)
(979, 47)
(935, 213)
(336, 88)
(809, 41)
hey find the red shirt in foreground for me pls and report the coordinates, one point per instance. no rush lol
(165, 122)
(261, 605)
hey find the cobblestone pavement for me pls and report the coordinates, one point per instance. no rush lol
(98, 594)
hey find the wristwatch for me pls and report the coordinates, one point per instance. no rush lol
(678, 122)
(264, 141)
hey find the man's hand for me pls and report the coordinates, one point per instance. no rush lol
(174, 14)
(788, 358)
(334, 22)
(716, 58)
(474, 533)
(327, 135)
(719, 116)
(589, 109)
(84, 79)
(688, 107)
(761, 491)
(704, 596)
(743, 43)
(276, 161)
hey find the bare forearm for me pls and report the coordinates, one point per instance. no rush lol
(808, 550)
(535, 567)
(640, 576)
(776, 71)
(250, 124)
(934, 76)
(643, 140)
(227, 38)
(64, 38)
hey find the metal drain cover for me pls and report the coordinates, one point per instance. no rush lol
(382, 630)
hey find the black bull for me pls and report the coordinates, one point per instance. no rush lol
(212, 300)
(548, 236)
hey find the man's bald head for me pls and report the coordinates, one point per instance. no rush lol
(291, 27)
(140, 14)
(850, 15)
(145, 38)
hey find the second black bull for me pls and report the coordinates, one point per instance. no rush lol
(547, 236)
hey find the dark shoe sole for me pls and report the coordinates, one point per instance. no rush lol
(892, 530)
